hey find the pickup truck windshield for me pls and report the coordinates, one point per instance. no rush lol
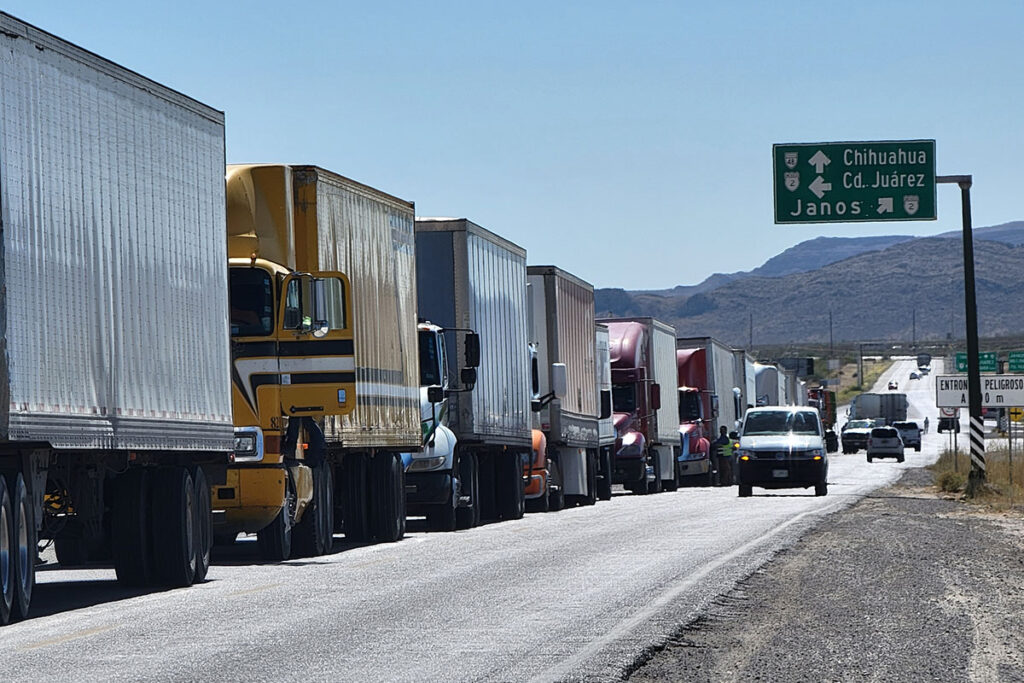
(778, 422)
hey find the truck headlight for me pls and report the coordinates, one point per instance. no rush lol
(426, 464)
(248, 444)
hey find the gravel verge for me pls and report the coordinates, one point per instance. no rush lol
(904, 585)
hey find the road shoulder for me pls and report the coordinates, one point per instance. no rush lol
(903, 585)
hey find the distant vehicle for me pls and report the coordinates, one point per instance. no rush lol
(890, 407)
(925, 370)
(910, 434)
(885, 442)
(949, 424)
(914, 375)
(782, 447)
(892, 385)
(924, 360)
(855, 435)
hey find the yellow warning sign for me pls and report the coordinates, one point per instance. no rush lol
(1017, 414)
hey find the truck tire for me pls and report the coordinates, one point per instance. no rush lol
(203, 528)
(556, 491)
(655, 486)
(6, 554)
(745, 490)
(917, 448)
(274, 541)
(310, 531)
(468, 516)
(173, 527)
(355, 499)
(387, 506)
(442, 517)
(130, 528)
(604, 481)
(591, 497)
(541, 502)
(509, 486)
(821, 489)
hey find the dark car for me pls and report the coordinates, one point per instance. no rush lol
(782, 447)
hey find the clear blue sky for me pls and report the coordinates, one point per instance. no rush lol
(627, 142)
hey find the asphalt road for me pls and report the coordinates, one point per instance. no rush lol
(583, 594)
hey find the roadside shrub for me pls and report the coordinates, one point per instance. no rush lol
(952, 482)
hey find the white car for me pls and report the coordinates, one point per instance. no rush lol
(885, 442)
(782, 447)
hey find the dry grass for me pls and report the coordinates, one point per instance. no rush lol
(998, 493)
(850, 385)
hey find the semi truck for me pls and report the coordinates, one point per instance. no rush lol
(825, 401)
(116, 409)
(326, 377)
(569, 406)
(770, 384)
(888, 407)
(645, 404)
(606, 424)
(710, 385)
(467, 277)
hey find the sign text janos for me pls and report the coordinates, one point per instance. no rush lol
(854, 181)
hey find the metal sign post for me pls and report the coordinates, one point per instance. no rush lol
(977, 430)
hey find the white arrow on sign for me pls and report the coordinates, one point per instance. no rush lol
(885, 205)
(819, 161)
(819, 187)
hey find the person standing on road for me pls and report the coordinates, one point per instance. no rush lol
(926, 425)
(723, 456)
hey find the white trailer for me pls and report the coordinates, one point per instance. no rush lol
(469, 278)
(115, 367)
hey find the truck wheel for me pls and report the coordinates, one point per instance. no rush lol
(387, 507)
(655, 486)
(821, 489)
(509, 486)
(71, 552)
(745, 490)
(540, 503)
(442, 517)
(917, 448)
(308, 535)
(899, 458)
(556, 492)
(130, 528)
(355, 501)
(869, 458)
(591, 496)
(468, 516)
(604, 481)
(6, 554)
(24, 548)
(203, 528)
(173, 526)
(275, 540)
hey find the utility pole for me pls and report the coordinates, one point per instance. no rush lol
(751, 332)
(913, 329)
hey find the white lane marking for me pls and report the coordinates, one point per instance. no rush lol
(629, 625)
(71, 636)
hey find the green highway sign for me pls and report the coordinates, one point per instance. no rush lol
(987, 362)
(1016, 361)
(843, 182)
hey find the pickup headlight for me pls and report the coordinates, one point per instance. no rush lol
(248, 444)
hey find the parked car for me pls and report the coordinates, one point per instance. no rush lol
(914, 375)
(949, 424)
(892, 385)
(885, 442)
(910, 433)
(782, 447)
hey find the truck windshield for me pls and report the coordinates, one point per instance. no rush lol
(624, 398)
(252, 303)
(689, 406)
(779, 422)
(430, 364)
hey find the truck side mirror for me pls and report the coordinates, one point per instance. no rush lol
(714, 405)
(655, 396)
(435, 393)
(606, 404)
(472, 350)
(468, 377)
(559, 380)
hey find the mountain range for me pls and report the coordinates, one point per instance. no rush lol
(888, 287)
